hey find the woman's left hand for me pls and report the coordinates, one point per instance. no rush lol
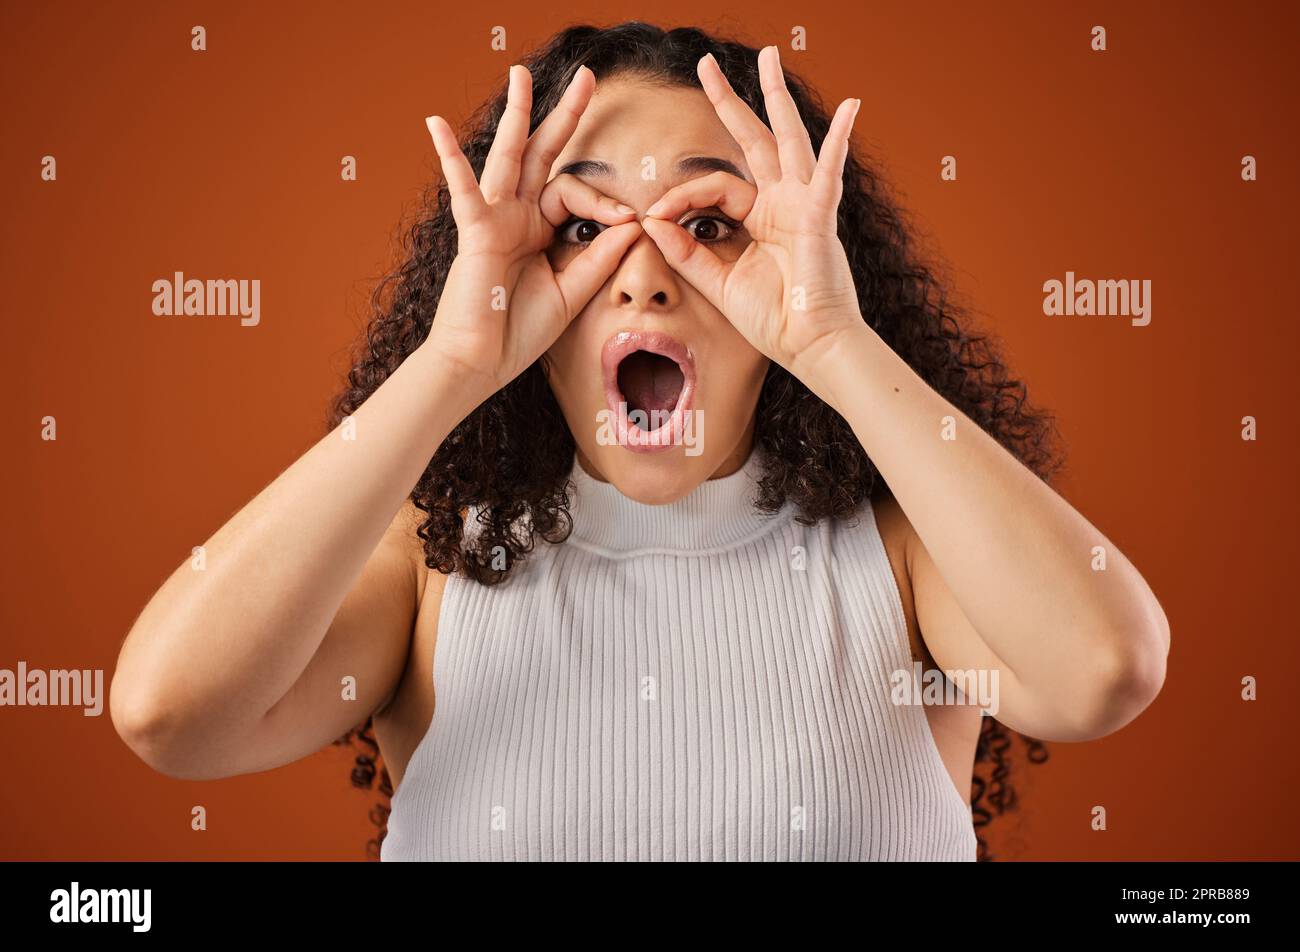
(791, 292)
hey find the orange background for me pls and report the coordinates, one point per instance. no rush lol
(1122, 164)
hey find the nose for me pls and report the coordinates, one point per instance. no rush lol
(644, 279)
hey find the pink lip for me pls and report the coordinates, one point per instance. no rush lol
(669, 433)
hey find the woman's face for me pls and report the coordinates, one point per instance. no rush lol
(658, 388)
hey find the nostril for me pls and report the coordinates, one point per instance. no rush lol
(659, 297)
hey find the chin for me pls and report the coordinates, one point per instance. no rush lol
(653, 479)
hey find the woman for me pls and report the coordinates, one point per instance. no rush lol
(604, 485)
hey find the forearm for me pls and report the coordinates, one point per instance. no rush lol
(229, 640)
(1016, 556)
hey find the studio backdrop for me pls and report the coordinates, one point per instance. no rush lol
(284, 146)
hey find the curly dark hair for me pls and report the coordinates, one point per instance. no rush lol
(511, 457)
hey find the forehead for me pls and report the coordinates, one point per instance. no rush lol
(628, 120)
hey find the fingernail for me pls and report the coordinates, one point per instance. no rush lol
(653, 209)
(625, 209)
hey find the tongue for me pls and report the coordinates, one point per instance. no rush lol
(650, 382)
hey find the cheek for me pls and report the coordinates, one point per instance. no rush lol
(745, 377)
(573, 369)
(737, 380)
(744, 362)
(560, 372)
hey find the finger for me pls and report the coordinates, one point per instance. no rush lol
(695, 262)
(567, 196)
(828, 179)
(586, 274)
(466, 199)
(792, 141)
(555, 130)
(754, 138)
(501, 169)
(734, 196)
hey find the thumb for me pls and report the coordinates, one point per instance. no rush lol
(692, 260)
(585, 274)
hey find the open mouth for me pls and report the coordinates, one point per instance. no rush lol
(652, 384)
(649, 382)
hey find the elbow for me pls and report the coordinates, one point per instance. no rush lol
(1129, 680)
(151, 728)
(142, 724)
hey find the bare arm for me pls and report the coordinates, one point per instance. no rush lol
(215, 650)
(1002, 566)
(238, 667)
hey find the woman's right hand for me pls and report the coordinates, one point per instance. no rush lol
(503, 304)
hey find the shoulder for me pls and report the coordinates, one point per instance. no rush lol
(400, 544)
(403, 539)
(895, 529)
(402, 550)
(429, 583)
(896, 533)
(934, 617)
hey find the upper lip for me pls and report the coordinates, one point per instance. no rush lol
(624, 343)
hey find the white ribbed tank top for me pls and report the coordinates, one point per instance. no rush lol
(695, 681)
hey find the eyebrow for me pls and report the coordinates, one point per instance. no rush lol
(691, 165)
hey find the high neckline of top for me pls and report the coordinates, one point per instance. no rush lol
(718, 514)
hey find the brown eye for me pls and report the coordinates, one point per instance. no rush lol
(710, 228)
(580, 231)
